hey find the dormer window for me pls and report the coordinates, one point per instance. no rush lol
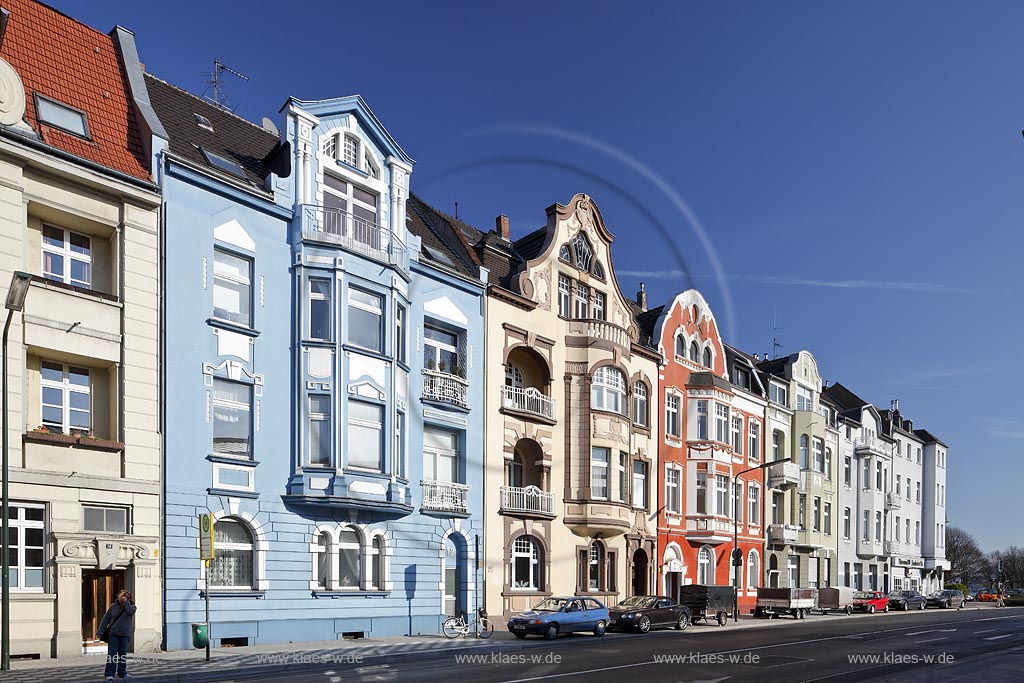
(62, 116)
(350, 151)
(223, 163)
(581, 251)
(371, 168)
(331, 147)
(204, 122)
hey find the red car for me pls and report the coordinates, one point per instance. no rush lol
(870, 602)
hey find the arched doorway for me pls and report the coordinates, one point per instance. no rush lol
(640, 572)
(773, 571)
(672, 571)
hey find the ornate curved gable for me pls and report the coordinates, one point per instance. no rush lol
(577, 240)
(689, 317)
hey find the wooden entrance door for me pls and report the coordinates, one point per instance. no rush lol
(99, 589)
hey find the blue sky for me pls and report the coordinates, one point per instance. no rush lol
(854, 168)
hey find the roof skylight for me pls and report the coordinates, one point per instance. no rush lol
(204, 122)
(223, 163)
(60, 115)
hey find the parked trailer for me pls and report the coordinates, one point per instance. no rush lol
(708, 602)
(772, 602)
(838, 599)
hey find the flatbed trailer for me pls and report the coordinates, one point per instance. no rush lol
(796, 602)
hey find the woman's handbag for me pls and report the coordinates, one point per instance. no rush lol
(105, 636)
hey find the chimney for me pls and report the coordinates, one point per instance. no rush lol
(641, 298)
(894, 405)
(757, 357)
(908, 425)
(502, 226)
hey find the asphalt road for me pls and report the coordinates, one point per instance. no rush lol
(932, 646)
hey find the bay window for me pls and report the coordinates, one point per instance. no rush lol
(608, 391)
(722, 422)
(365, 428)
(599, 472)
(365, 319)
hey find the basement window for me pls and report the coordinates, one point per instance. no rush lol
(62, 116)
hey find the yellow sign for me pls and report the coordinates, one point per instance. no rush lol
(206, 536)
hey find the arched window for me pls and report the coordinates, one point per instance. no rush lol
(640, 404)
(513, 376)
(803, 451)
(608, 391)
(694, 352)
(680, 346)
(582, 251)
(753, 570)
(330, 147)
(705, 566)
(232, 566)
(377, 556)
(707, 357)
(451, 578)
(526, 564)
(349, 556)
(350, 151)
(324, 560)
(595, 565)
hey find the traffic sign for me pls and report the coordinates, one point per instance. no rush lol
(206, 536)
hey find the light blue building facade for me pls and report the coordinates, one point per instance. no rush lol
(300, 313)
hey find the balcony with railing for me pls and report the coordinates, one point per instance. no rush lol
(527, 500)
(784, 475)
(870, 445)
(892, 501)
(528, 400)
(783, 533)
(445, 496)
(445, 388)
(326, 225)
(600, 329)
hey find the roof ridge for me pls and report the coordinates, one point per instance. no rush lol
(210, 104)
(448, 216)
(473, 262)
(77, 21)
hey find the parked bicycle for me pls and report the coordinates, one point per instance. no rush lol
(454, 627)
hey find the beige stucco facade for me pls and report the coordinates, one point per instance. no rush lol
(94, 344)
(571, 467)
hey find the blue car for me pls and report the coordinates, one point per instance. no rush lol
(561, 615)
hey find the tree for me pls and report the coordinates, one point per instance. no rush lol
(1012, 565)
(967, 564)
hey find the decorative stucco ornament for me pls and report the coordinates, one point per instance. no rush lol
(12, 95)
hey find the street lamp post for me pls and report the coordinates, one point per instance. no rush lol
(737, 558)
(15, 302)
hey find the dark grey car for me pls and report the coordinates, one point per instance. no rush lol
(905, 600)
(946, 598)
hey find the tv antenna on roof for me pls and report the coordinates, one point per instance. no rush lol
(776, 344)
(214, 80)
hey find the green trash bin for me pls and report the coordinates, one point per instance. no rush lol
(200, 635)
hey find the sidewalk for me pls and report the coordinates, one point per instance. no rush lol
(260, 660)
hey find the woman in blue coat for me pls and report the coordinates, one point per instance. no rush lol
(117, 626)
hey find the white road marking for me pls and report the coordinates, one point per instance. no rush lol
(988, 630)
(929, 640)
(1005, 635)
(934, 630)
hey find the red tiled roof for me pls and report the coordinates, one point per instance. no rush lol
(75, 64)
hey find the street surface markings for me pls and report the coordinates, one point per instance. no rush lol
(988, 630)
(934, 630)
(929, 640)
(1005, 635)
(769, 661)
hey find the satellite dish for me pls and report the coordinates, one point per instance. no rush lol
(12, 95)
(269, 125)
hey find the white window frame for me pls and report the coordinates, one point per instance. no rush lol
(319, 417)
(673, 499)
(434, 348)
(377, 310)
(357, 545)
(673, 426)
(66, 389)
(249, 547)
(525, 547)
(66, 253)
(722, 423)
(705, 566)
(232, 405)
(107, 509)
(754, 440)
(580, 301)
(640, 404)
(435, 456)
(245, 319)
(349, 152)
(703, 421)
(353, 421)
(608, 390)
(722, 495)
(321, 297)
(846, 524)
(564, 296)
(18, 551)
(754, 504)
(753, 570)
(599, 472)
(639, 484)
(736, 434)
